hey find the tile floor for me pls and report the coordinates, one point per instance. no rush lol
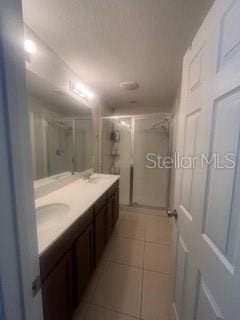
(132, 280)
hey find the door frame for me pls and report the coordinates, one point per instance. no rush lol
(19, 263)
(169, 117)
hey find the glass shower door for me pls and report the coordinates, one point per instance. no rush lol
(116, 152)
(83, 144)
(59, 141)
(150, 181)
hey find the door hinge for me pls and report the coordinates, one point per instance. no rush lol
(36, 286)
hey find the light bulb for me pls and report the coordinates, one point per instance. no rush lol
(30, 46)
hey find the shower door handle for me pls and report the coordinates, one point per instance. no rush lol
(131, 184)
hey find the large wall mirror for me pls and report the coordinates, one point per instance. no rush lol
(61, 130)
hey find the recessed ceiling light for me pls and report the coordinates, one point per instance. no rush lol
(30, 46)
(129, 85)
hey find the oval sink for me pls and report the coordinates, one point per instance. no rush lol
(97, 179)
(50, 214)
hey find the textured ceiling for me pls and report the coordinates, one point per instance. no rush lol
(109, 41)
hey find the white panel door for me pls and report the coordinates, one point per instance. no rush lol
(207, 279)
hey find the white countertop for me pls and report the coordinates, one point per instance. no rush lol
(79, 195)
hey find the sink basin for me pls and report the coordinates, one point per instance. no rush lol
(98, 179)
(51, 214)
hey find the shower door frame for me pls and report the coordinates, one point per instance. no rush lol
(133, 118)
(73, 120)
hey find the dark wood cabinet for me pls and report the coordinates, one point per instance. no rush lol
(116, 207)
(110, 215)
(99, 233)
(57, 291)
(67, 265)
(83, 262)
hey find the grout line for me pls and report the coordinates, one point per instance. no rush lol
(143, 270)
(159, 272)
(116, 235)
(125, 237)
(125, 264)
(137, 267)
(105, 261)
(113, 310)
(160, 243)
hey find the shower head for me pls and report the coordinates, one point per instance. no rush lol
(163, 125)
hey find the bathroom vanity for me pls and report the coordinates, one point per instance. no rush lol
(74, 225)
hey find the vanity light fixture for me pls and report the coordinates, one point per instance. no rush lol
(81, 90)
(29, 46)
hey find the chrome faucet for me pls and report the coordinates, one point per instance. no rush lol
(87, 176)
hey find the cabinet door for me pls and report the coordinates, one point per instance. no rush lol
(99, 233)
(57, 291)
(116, 207)
(110, 215)
(83, 262)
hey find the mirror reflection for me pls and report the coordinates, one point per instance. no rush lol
(61, 130)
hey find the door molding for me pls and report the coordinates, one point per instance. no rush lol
(19, 263)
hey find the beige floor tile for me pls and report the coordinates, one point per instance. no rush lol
(126, 251)
(119, 289)
(151, 219)
(154, 212)
(89, 292)
(158, 230)
(155, 302)
(98, 313)
(130, 229)
(157, 257)
(132, 216)
(81, 311)
(144, 210)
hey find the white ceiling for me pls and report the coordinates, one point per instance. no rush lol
(109, 41)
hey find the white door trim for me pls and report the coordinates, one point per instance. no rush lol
(19, 264)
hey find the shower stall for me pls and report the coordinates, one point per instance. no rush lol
(133, 146)
(69, 145)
